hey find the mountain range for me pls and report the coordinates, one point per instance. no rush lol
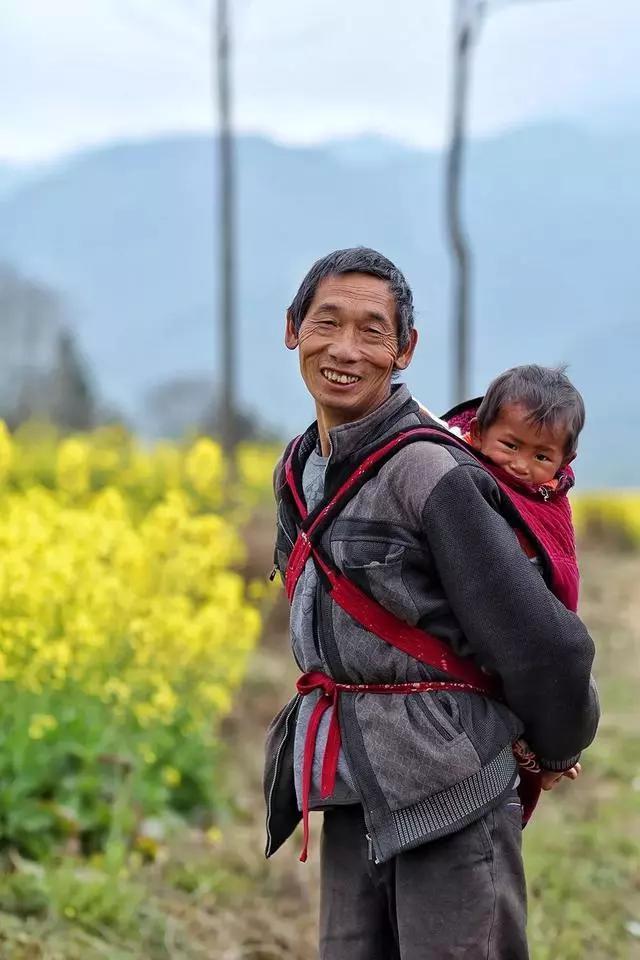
(126, 233)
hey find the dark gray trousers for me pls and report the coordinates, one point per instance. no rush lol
(461, 897)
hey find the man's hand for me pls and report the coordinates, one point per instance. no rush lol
(551, 778)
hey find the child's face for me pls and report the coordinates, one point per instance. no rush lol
(529, 453)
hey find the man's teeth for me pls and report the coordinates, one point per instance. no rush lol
(338, 377)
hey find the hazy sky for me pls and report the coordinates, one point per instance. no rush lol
(79, 72)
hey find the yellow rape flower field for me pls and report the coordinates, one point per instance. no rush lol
(612, 516)
(125, 627)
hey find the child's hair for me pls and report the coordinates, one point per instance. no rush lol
(548, 395)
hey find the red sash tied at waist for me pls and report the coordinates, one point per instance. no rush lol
(328, 700)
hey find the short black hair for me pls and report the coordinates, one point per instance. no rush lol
(357, 260)
(545, 392)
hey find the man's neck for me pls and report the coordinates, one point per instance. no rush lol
(328, 419)
(325, 423)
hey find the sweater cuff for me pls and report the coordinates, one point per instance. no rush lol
(558, 765)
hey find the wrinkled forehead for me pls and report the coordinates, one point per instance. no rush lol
(355, 296)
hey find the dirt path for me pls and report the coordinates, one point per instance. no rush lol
(271, 908)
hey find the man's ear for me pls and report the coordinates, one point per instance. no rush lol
(290, 333)
(474, 430)
(404, 358)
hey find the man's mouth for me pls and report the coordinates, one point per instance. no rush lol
(334, 376)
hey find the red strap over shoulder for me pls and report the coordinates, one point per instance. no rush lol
(422, 646)
(302, 548)
(383, 452)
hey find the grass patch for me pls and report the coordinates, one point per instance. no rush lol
(76, 909)
(582, 849)
(582, 853)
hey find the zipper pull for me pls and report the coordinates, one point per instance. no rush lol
(272, 575)
(370, 854)
(543, 491)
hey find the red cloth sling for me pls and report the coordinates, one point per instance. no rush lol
(367, 612)
(423, 646)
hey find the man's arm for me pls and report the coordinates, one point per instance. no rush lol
(513, 622)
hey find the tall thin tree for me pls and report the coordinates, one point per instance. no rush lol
(467, 18)
(226, 223)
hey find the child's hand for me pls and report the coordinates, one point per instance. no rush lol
(551, 778)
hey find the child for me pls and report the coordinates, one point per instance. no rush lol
(526, 427)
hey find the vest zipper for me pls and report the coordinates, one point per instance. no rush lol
(370, 854)
(281, 524)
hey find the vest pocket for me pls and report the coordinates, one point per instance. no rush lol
(437, 717)
(377, 568)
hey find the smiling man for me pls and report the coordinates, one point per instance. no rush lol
(404, 577)
(349, 345)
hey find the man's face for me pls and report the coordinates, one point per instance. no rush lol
(348, 343)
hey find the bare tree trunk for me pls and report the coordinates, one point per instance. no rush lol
(458, 239)
(226, 232)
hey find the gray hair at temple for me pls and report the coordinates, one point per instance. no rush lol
(357, 260)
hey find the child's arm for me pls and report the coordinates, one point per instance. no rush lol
(511, 620)
(551, 778)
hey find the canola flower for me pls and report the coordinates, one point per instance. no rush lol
(125, 627)
(612, 515)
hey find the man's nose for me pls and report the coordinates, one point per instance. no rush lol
(344, 347)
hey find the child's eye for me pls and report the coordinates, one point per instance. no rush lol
(541, 457)
(509, 446)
